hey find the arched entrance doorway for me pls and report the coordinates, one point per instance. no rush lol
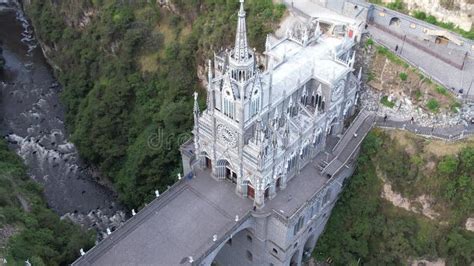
(250, 190)
(441, 40)
(294, 259)
(333, 126)
(237, 250)
(308, 247)
(224, 170)
(395, 22)
(205, 161)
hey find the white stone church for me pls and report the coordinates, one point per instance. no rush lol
(268, 159)
(265, 121)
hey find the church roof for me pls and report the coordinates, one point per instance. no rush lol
(302, 63)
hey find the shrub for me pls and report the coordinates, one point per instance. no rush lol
(403, 76)
(441, 90)
(432, 105)
(418, 95)
(448, 165)
(385, 101)
(391, 56)
(450, 26)
(431, 19)
(370, 76)
(397, 5)
(455, 106)
(369, 42)
(419, 15)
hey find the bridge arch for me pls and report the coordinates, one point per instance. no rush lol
(226, 242)
(294, 261)
(309, 246)
(395, 21)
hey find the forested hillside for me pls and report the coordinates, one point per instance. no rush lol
(28, 229)
(129, 68)
(436, 180)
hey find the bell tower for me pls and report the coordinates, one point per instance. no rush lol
(241, 58)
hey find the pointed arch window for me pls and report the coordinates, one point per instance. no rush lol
(255, 103)
(318, 99)
(305, 151)
(304, 96)
(229, 109)
(317, 137)
(292, 109)
(276, 119)
(327, 197)
(291, 164)
(298, 225)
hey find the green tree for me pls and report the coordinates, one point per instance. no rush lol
(448, 165)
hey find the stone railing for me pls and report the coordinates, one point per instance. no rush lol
(204, 251)
(449, 133)
(122, 231)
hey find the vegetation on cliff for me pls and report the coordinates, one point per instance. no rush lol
(367, 228)
(129, 70)
(28, 229)
(399, 6)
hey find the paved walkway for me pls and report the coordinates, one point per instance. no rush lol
(174, 226)
(446, 133)
(349, 143)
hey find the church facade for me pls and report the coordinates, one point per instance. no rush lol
(268, 126)
(265, 122)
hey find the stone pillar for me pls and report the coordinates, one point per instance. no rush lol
(272, 190)
(202, 161)
(259, 200)
(241, 187)
(214, 170)
(283, 180)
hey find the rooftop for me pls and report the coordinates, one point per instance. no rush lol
(174, 226)
(303, 63)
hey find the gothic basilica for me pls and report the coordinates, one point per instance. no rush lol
(265, 121)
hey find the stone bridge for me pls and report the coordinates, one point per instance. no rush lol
(191, 221)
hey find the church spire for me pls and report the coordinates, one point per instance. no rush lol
(196, 110)
(241, 50)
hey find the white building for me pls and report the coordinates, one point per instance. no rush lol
(264, 123)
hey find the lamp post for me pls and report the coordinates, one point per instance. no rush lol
(468, 90)
(403, 44)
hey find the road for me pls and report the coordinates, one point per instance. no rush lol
(437, 69)
(434, 67)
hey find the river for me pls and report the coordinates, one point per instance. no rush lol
(32, 121)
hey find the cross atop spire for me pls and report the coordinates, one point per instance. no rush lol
(241, 50)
